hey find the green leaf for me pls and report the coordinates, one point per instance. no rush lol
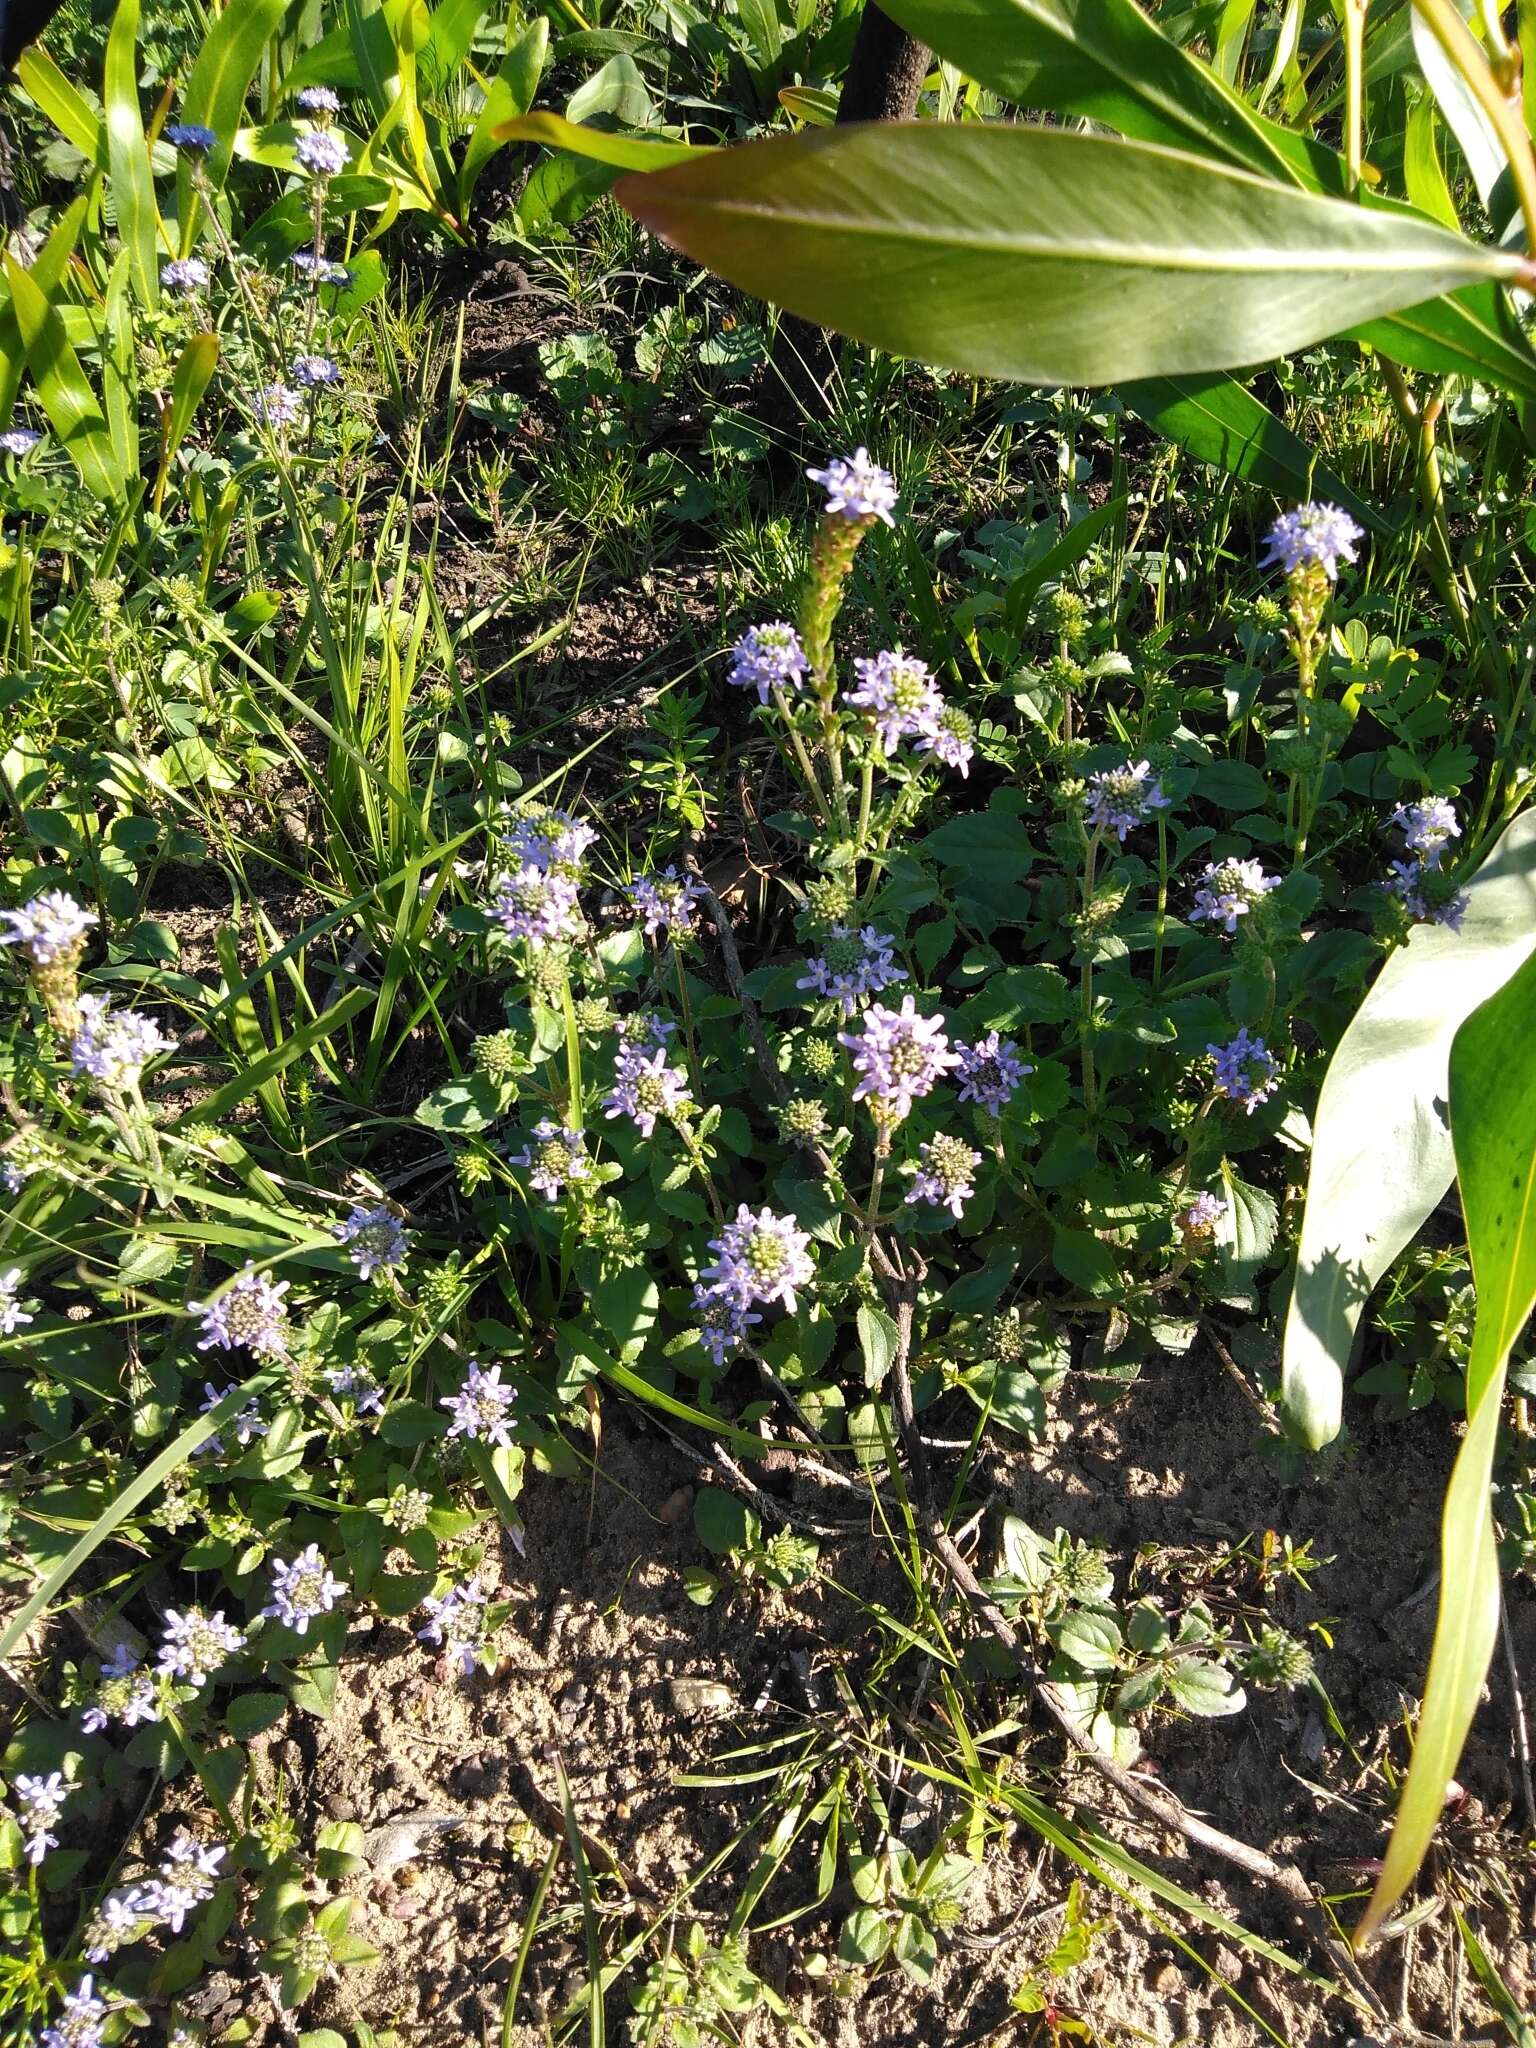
(1463, 111)
(1471, 333)
(1220, 421)
(66, 397)
(1087, 1262)
(133, 185)
(190, 379)
(510, 95)
(1092, 1641)
(1381, 1153)
(878, 1339)
(615, 92)
(625, 152)
(227, 61)
(250, 1713)
(68, 109)
(1205, 1688)
(720, 1521)
(1493, 1122)
(998, 250)
(272, 1061)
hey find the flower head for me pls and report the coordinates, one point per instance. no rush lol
(279, 405)
(1246, 1070)
(114, 1046)
(357, 1384)
(319, 269)
(248, 1423)
(375, 1239)
(857, 489)
(1198, 1219)
(1427, 900)
(302, 1589)
(899, 697)
(51, 927)
(1229, 889)
(195, 1644)
(897, 1057)
(1119, 799)
(990, 1072)
(317, 99)
(482, 1408)
(952, 741)
(551, 840)
(645, 1088)
(19, 440)
(311, 372)
(944, 1174)
(39, 1802)
(667, 901)
(1318, 533)
(123, 1693)
(761, 1258)
(852, 966)
(769, 658)
(12, 1314)
(80, 2021)
(323, 153)
(537, 904)
(557, 1155)
(188, 1877)
(249, 1314)
(457, 1623)
(191, 138)
(1428, 827)
(724, 1320)
(185, 274)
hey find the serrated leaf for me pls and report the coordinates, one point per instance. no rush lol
(1204, 1688)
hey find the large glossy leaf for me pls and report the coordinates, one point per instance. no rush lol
(1464, 115)
(1381, 1149)
(511, 94)
(62, 388)
(133, 186)
(67, 108)
(215, 95)
(1220, 421)
(1493, 1119)
(601, 145)
(47, 273)
(1050, 257)
(1470, 333)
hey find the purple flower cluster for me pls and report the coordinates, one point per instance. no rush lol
(279, 405)
(556, 1156)
(375, 1239)
(319, 269)
(39, 1803)
(990, 1072)
(81, 2021)
(1315, 533)
(1119, 799)
(1229, 889)
(944, 1174)
(312, 372)
(854, 964)
(322, 153)
(952, 741)
(482, 1407)
(19, 440)
(302, 1589)
(357, 1384)
(195, 1644)
(1428, 827)
(645, 1088)
(857, 489)
(667, 902)
(1198, 1219)
(537, 904)
(188, 1877)
(1246, 1070)
(12, 1314)
(123, 1693)
(51, 927)
(768, 658)
(247, 1423)
(550, 839)
(899, 696)
(317, 101)
(112, 1046)
(250, 1314)
(191, 137)
(897, 1057)
(723, 1320)
(762, 1257)
(456, 1622)
(185, 274)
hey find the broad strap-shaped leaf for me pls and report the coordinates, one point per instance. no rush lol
(1470, 333)
(1493, 1120)
(1049, 257)
(63, 389)
(1381, 1146)
(1464, 113)
(511, 94)
(214, 98)
(66, 107)
(1220, 421)
(133, 185)
(601, 145)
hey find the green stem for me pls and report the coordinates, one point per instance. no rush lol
(1085, 1009)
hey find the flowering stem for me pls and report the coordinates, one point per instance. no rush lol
(1353, 25)
(823, 809)
(1085, 1011)
(695, 1153)
(1162, 901)
(866, 798)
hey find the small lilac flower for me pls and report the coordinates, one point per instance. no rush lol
(769, 658)
(897, 1057)
(250, 1313)
(1452, 913)
(457, 1623)
(1119, 799)
(191, 138)
(952, 741)
(1312, 533)
(81, 2022)
(123, 1693)
(375, 1239)
(1230, 889)
(1428, 827)
(645, 1032)
(117, 1921)
(112, 1046)
(852, 966)
(857, 489)
(536, 904)
(248, 1423)
(1408, 884)
(51, 927)
(279, 405)
(1246, 1070)
(990, 1072)
(188, 1877)
(39, 1802)
(19, 440)
(945, 1174)
(761, 1258)
(12, 1314)
(724, 1320)
(310, 373)
(899, 696)
(317, 99)
(322, 153)
(185, 274)
(303, 1589)
(358, 1384)
(557, 1155)
(667, 901)
(645, 1089)
(482, 1408)
(319, 269)
(1198, 1219)
(551, 840)
(195, 1644)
